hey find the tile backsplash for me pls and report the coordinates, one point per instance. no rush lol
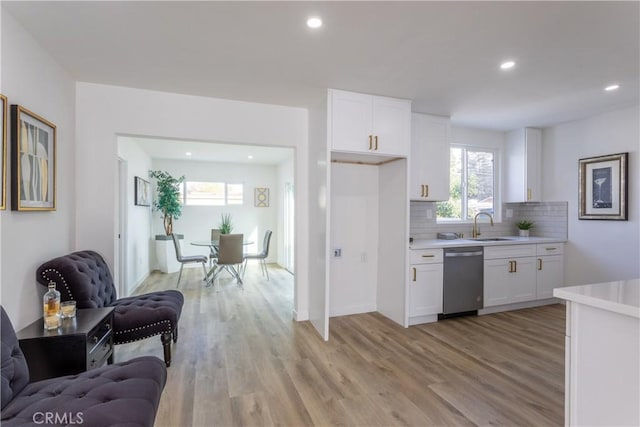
(550, 220)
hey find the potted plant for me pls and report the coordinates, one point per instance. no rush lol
(168, 200)
(524, 227)
(225, 224)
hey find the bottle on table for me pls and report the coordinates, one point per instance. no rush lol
(51, 305)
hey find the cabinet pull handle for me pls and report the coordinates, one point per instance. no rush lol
(550, 249)
(376, 140)
(510, 266)
(370, 142)
(515, 266)
(539, 263)
(426, 191)
(414, 274)
(528, 194)
(428, 256)
(421, 190)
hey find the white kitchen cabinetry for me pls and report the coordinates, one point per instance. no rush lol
(430, 152)
(549, 269)
(509, 274)
(425, 285)
(360, 123)
(523, 153)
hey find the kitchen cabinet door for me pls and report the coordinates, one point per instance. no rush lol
(523, 152)
(509, 280)
(425, 292)
(430, 152)
(362, 123)
(549, 275)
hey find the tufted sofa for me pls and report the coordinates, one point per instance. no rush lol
(84, 276)
(122, 394)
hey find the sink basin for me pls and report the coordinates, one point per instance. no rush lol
(490, 239)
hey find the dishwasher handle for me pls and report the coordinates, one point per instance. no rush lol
(461, 254)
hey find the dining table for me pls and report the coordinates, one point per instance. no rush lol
(213, 247)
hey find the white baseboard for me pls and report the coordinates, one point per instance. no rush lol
(352, 309)
(518, 306)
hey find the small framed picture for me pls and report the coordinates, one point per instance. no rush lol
(603, 187)
(33, 161)
(261, 197)
(142, 192)
(3, 160)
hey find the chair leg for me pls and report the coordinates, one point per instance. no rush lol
(175, 334)
(263, 264)
(166, 344)
(243, 267)
(205, 272)
(179, 275)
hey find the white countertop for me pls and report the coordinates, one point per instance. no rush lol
(621, 297)
(513, 240)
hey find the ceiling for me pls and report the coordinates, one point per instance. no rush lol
(442, 55)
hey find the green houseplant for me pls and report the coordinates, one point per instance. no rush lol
(168, 200)
(225, 224)
(524, 227)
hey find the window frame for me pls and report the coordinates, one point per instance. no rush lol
(497, 189)
(225, 202)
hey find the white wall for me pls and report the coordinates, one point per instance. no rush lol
(597, 250)
(286, 173)
(196, 222)
(104, 112)
(354, 230)
(32, 79)
(138, 218)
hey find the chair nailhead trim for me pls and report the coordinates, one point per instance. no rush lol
(170, 329)
(64, 282)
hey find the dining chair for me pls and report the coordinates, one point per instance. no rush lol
(262, 256)
(190, 259)
(213, 253)
(229, 256)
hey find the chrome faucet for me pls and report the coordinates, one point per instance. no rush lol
(476, 231)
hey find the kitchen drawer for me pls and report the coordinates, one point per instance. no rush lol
(550, 249)
(425, 256)
(509, 251)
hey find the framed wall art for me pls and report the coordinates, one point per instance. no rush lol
(33, 161)
(603, 187)
(261, 197)
(142, 192)
(3, 160)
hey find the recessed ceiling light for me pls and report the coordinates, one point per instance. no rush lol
(314, 22)
(188, 153)
(249, 157)
(612, 87)
(507, 65)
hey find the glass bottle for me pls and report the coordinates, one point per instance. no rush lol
(51, 305)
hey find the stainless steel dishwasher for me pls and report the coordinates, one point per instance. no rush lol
(463, 280)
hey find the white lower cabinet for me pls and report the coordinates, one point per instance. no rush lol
(520, 273)
(425, 285)
(549, 269)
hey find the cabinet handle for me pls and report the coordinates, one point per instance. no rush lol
(528, 194)
(370, 142)
(428, 256)
(376, 140)
(515, 266)
(426, 191)
(550, 249)
(539, 263)
(510, 266)
(421, 190)
(414, 274)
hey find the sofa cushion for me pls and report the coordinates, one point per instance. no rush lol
(127, 393)
(146, 315)
(15, 372)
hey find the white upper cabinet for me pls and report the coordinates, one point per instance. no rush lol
(430, 151)
(523, 154)
(360, 123)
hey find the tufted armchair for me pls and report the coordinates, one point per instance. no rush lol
(84, 276)
(123, 394)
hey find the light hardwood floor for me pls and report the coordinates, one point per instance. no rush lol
(242, 360)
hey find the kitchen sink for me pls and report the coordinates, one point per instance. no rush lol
(491, 239)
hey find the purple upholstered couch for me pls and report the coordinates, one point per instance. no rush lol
(122, 394)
